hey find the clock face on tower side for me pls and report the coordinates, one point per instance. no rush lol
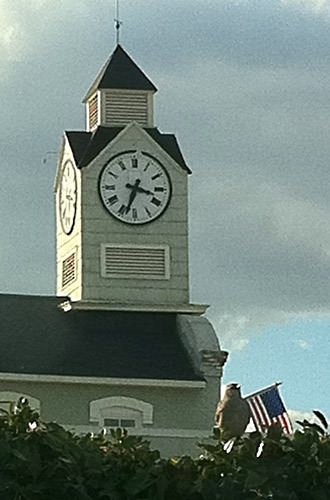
(135, 187)
(68, 197)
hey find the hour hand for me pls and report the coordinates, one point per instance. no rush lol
(132, 196)
(130, 200)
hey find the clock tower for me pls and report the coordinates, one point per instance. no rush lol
(121, 202)
(120, 345)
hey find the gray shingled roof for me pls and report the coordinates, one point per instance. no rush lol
(86, 145)
(120, 72)
(36, 337)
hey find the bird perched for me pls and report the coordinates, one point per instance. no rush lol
(233, 413)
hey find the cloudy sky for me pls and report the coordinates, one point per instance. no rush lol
(245, 86)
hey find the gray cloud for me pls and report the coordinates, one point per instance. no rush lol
(245, 87)
(252, 33)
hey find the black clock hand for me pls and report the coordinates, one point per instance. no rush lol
(145, 191)
(132, 196)
(139, 189)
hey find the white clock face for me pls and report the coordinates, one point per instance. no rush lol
(68, 197)
(135, 187)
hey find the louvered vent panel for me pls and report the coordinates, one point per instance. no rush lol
(69, 270)
(93, 112)
(145, 262)
(122, 108)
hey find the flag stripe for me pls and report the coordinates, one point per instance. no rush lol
(253, 415)
(259, 418)
(266, 420)
(261, 425)
(286, 423)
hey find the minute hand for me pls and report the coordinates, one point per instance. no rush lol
(145, 191)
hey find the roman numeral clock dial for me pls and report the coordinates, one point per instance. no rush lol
(68, 197)
(135, 187)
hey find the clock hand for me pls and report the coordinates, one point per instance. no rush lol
(132, 196)
(145, 191)
(139, 189)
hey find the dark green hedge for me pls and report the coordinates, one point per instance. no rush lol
(44, 462)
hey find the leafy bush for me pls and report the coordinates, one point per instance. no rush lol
(45, 462)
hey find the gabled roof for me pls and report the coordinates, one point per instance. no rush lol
(87, 145)
(39, 338)
(78, 142)
(120, 72)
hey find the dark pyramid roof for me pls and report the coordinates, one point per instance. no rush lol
(36, 337)
(86, 145)
(120, 72)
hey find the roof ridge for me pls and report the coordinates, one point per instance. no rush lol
(102, 136)
(120, 72)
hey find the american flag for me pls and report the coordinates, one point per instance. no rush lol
(267, 408)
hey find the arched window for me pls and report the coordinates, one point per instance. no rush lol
(8, 397)
(120, 411)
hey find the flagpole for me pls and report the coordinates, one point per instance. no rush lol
(262, 391)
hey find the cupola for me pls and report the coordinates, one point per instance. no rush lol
(121, 93)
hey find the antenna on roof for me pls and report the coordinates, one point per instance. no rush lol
(118, 22)
(45, 158)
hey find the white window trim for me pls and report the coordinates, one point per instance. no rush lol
(95, 407)
(98, 118)
(99, 110)
(87, 115)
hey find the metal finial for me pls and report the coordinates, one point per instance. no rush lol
(118, 22)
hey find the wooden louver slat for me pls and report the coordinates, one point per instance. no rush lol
(121, 108)
(69, 270)
(93, 112)
(135, 262)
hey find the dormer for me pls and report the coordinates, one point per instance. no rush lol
(121, 93)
